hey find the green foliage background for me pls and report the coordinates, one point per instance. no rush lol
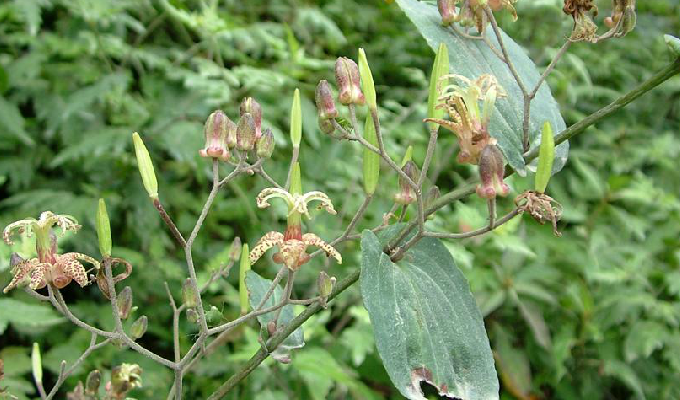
(594, 314)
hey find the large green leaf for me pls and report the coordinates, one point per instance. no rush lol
(427, 325)
(472, 58)
(257, 288)
(27, 315)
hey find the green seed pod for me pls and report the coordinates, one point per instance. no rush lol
(245, 133)
(124, 303)
(94, 379)
(145, 167)
(265, 144)
(103, 228)
(371, 161)
(244, 268)
(367, 84)
(36, 363)
(138, 328)
(440, 68)
(296, 120)
(189, 295)
(546, 157)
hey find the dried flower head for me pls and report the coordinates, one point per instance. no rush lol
(471, 12)
(466, 119)
(541, 207)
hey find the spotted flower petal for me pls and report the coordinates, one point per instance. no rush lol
(38, 275)
(21, 226)
(311, 239)
(74, 269)
(302, 201)
(270, 193)
(265, 243)
(21, 273)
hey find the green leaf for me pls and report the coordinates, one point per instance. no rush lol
(296, 120)
(546, 158)
(27, 315)
(12, 122)
(257, 288)
(371, 159)
(426, 322)
(472, 58)
(367, 84)
(513, 365)
(440, 67)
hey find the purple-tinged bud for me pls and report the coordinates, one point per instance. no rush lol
(349, 84)
(326, 126)
(124, 303)
(15, 259)
(432, 196)
(231, 134)
(406, 194)
(252, 107)
(447, 9)
(491, 173)
(216, 136)
(246, 133)
(192, 316)
(94, 379)
(189, 295)
(265, 144)
(325, 105)
(138, 328)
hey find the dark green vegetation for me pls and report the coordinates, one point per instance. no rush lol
(595, 313)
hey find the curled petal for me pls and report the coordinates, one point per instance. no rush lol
(74, 269)
(302, 201)
(38, 275)
(21, 272)
(24, 225)
(269, 193)
(265, 243)
(65, 222)
(311, 239)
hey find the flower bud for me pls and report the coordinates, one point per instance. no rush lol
(447, 9)
(407, 194)
(124, 303)
(271, 328)
(138, 328)
(265, 144)
(216, 136)
(326, 126)
(124, 378)
(213, 315)
(432, 196)
(347, 78)
(189, 295)
(235, 250)
(93, 381)
(491, 173)
(192, 316)
(231, 134)
(252, 107)
(325, 284)
(325, 105)
(246, 133)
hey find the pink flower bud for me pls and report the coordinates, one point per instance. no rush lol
(265, 144)
(491, 172)
(447, 9)
(406, 194)
(216, 136)
(252, 107)
(347, 78)
(325, 104)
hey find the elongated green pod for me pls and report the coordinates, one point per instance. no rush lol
(546, 157)
(440, 67)
(103, 227)
(367, 84)
(145, 167)
(371, 159)
(408, 156)
(36, 363)
(243, 269)
(296, 120)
